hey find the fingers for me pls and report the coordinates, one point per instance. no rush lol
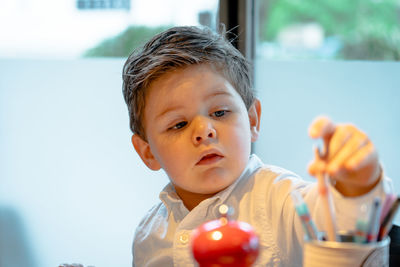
(349, 157)
(345, 137)
(321, 127)
(362, 157)
(349, 149)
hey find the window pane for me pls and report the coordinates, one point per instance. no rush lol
(295, 86)
(75, 28)
(325, 29)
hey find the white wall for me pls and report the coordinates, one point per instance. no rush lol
(294, 93)
(71, 186)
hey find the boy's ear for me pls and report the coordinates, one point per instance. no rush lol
(144, 151)
(254, 118)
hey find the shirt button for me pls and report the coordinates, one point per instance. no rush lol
(184, 238)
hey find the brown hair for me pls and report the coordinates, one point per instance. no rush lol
(175, 48)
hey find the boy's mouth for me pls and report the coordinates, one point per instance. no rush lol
(209, 159)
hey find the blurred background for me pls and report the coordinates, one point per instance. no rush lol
(72, 188)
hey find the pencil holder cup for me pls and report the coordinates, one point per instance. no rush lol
(346, 253)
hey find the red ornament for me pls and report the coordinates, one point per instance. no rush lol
(225, 243)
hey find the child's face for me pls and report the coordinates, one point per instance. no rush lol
(198, 130)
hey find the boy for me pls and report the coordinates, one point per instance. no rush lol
(194, 114)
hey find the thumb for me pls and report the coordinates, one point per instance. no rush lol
(316, 166)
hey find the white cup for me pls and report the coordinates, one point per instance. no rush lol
(326, 253)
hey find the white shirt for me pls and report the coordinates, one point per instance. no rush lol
(260, 197)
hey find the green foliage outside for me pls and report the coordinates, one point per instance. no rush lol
(367, 29)
(123, 44)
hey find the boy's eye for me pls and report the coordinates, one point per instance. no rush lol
(179, 125)
(220, 113)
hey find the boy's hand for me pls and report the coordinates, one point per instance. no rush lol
(351, 160)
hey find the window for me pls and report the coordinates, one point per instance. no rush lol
(335, 58)
(340, 30)
(71, 29)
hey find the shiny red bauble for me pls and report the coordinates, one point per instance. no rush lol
(225, 243)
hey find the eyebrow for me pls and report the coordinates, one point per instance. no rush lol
(217, 93)
(167, 110)
(213, 94)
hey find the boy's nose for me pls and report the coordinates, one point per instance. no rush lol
(204, 130)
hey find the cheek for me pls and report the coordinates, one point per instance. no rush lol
(170, 154)
(243, 127)
(239, 135)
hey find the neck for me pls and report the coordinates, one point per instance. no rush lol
(190, 199)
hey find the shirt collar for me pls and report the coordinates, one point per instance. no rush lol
(173, 203)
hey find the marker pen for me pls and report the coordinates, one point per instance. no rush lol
(373, 224)
(362, 225)
(388, 220)
(302, 210)
(389, 200)
(326, 198)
